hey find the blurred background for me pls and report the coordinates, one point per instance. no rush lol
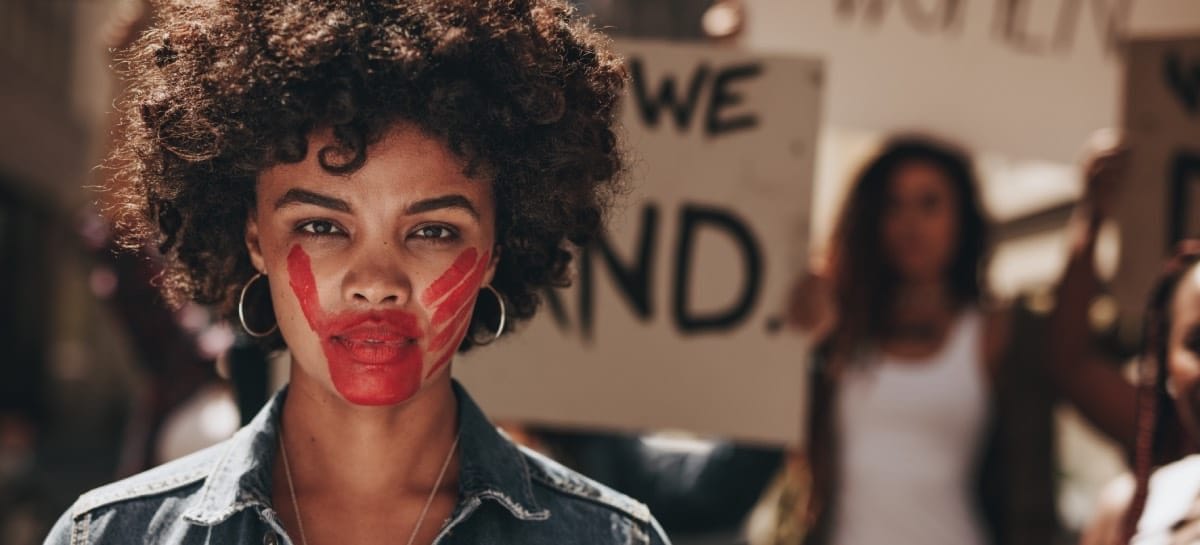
(99, 379)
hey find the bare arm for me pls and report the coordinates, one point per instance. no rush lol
(1095, 386)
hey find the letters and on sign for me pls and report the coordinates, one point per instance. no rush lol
(673, 320)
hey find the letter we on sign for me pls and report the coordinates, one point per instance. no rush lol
(673, 317)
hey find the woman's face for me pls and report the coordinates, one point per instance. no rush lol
(374, 274)
(1183, 351)
(920, 222)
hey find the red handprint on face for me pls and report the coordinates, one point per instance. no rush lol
(451, 298)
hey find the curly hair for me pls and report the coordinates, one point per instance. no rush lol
(523, 91)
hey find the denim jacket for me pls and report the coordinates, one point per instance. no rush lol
(221, 495)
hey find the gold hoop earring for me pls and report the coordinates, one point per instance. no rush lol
(242, 310)
(503, 316)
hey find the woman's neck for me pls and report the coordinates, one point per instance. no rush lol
(919, 301)
(336, 448)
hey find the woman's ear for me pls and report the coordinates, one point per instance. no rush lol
(494, 261)
(253, 244)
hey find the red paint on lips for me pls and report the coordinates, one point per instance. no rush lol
(374, 357)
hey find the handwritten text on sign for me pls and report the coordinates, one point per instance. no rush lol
(1027, 79)
(672, 321)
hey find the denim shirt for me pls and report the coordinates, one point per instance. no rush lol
(222, 494)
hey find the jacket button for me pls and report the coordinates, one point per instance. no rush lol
(270, 538)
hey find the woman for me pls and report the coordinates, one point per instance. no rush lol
(929, 425)
(1163, 508)
(374, 186)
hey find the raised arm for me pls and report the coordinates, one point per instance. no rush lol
(1095, 386)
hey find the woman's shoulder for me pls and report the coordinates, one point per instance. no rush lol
(996, 316)
(992, 318)
(1014, 328)
(569, 494)
(137, 500)
(182, 473)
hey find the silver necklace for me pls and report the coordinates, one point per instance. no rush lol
(287, 470)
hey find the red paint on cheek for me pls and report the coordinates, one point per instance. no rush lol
(462, 295)
(452, 315)
(454, 333)
(451, 278)
(300, 278)
(374, 357)
(450, 330)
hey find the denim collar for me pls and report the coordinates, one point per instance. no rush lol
(491, 466)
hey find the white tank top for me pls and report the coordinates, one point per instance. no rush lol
(910, 433)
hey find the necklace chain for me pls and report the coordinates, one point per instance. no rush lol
(287, 470)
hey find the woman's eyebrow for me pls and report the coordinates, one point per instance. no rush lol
(303, 196)
(445, 201)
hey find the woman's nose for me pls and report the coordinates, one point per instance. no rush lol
(377, 277)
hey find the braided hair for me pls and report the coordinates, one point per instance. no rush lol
(1158, 436)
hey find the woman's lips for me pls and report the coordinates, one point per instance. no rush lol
(375, 351)
(377, 342)
(376, 333)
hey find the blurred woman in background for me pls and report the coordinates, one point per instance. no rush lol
(930, 423)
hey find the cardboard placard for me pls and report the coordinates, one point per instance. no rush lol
(673, 319)
(1160, 202)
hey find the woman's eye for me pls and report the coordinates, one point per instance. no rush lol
(438, 233)
(320, 227)
(1192, 341)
